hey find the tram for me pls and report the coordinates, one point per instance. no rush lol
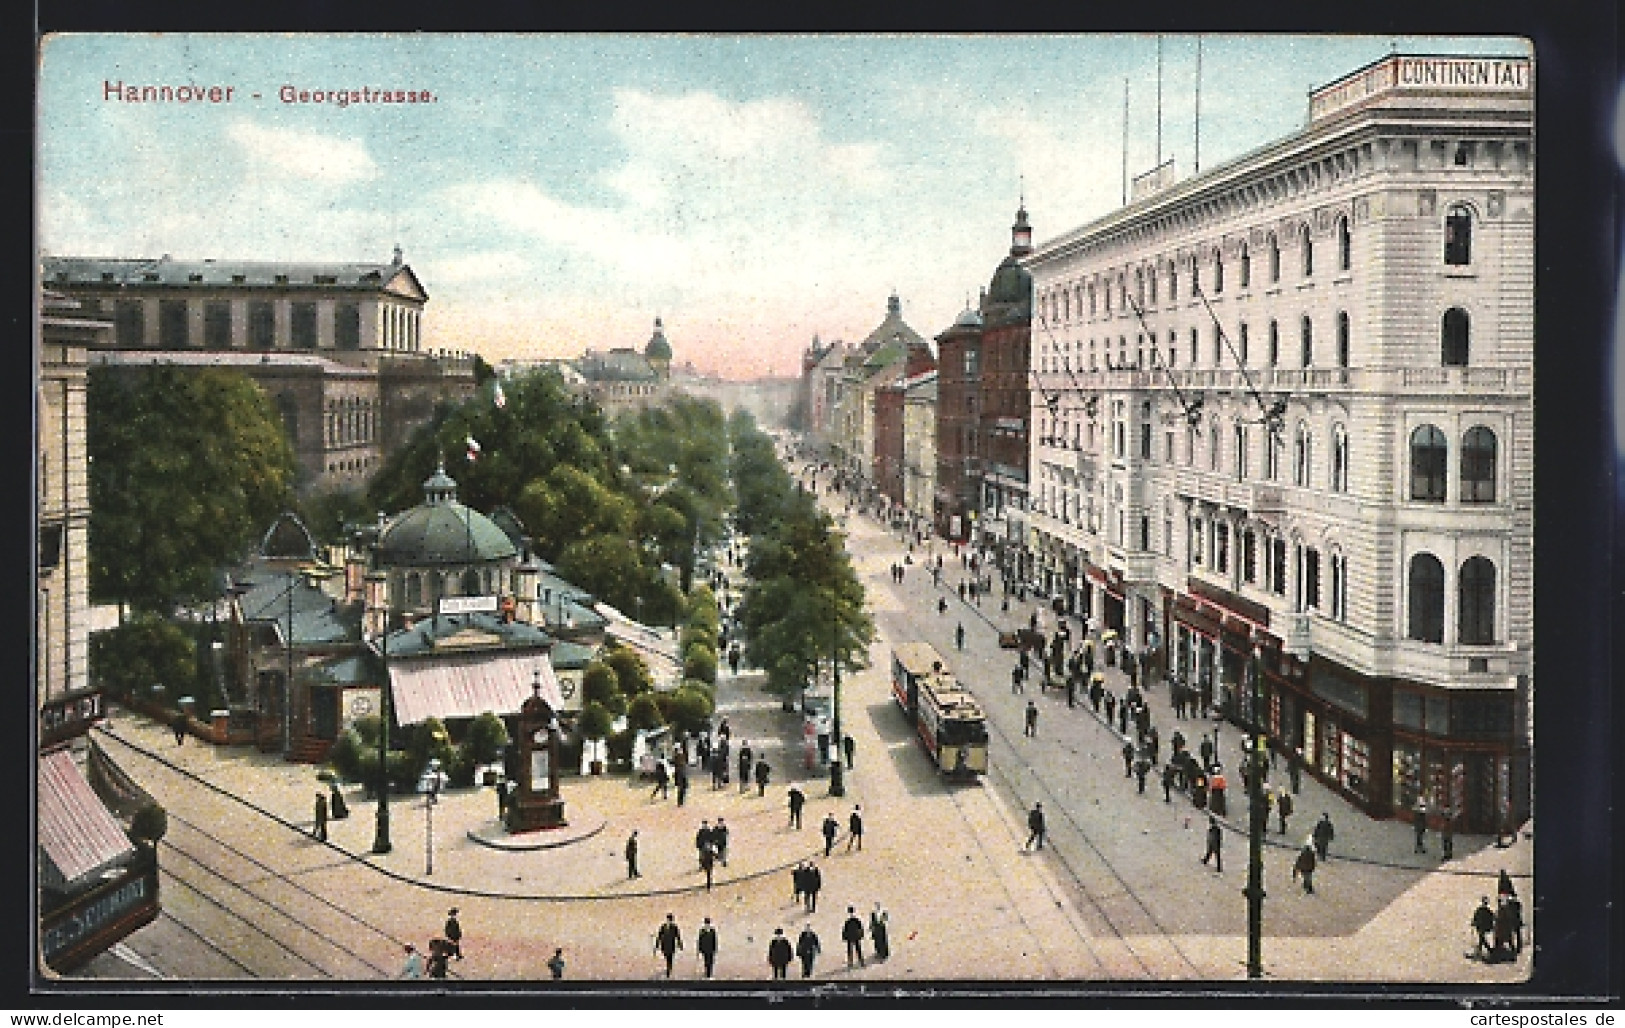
(945, 715)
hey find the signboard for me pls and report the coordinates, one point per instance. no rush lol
(468, 605)
(1486, 74)
(69, 716)
(91, 923)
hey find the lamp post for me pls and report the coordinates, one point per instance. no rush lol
(837, 773)
(1256, 815)
(429, 785)
(380, 835)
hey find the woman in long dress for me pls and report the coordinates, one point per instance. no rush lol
(877, 933)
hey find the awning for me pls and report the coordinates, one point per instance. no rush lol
(466, 686)
(76, 833)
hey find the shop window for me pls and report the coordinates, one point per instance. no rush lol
(1454, 336)
(1475, 615)
(1426, 592)
(1478, 465)
(1458, 236)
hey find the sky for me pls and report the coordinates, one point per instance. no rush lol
(562, 192)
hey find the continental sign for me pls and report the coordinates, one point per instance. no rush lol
(1454, 74)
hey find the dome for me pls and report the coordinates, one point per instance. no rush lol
(658, 349)
(1011, 283)
(441, 531)
(968, 318)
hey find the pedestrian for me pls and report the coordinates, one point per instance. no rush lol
(706, 943)
(798, 881)
(632, 856)
(1217, 789)
(852, 935)
(1447, 835)
(1323, 835)
(1122, 718)
(849, 747)
(708, 864)
(1016, 683)
(778, 953)
(662, 787)
(744, 767)
(556, 963)
(815, 882)
(1128, 758)
(762, 772)
(1206, 750)
(1483, 923)
(668, 940)
(831, 827)
(1111, 707)
(719, 841)
(1283, 807)
(959, 636)
(854, 829)
(808, 948)
(338, 810)
(439, 953)
(1168, 775)
(1215, 843)
(1097, 690)
(942, 601)
(1071, 691)
(1304, 867)
(1035, 828)
(1031, 728)
(880, 932)
(1514, 910)
(724, 731)
(454, 934)
(1421, 824)
(1503, 887)
(1142, 767)
(502, 801)
(680, 778)
(1292, 772)
(798, 799)
(733, 658)
(320, 830)
(702, 841)
(414, 963)
(179, 726)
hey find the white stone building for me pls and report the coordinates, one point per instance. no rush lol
(1285, 410)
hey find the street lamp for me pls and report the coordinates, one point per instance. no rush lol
(430, 785)
(380, 836)
(837, 774)
(1256, 821)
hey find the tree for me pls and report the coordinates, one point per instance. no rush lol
(688, 708)
(141, 653)
(644, 712)
(187, 467)
(630, 670)
(595, 721)
(700, 662)
(600, 685)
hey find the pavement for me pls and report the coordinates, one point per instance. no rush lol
(1109, 901)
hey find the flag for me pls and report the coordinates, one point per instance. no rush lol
(473, 449)
(496, 395)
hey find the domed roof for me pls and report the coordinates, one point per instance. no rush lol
(441, 531)
(658, 349)
(968, 318)
(1011, 283)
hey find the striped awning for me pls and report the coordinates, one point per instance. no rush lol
(77, 834)
(469, 685)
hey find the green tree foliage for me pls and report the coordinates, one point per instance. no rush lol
(148, 824)
(487, 735)
(688, 708)
(187, 467)
(600, 685)
(329, 514)
(144, 651)
(595, 720)
(429, 740)
(700, 662)
(644, 712)
(630, 670)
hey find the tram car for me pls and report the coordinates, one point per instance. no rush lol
(946, 717)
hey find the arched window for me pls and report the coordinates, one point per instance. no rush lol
(1478, 465)
(1275, 343)
(1426, 591)
(1218, 271)
(1340, 459)
(1453, 338)
(1475, 607)
(1272, 456)
(1342, 339)
(1302, 451)
(1428, 453)
(1239, 434)
(1246, 267)
(1190, 444)
(1308, 246)
(1345, 249)
(1458, 236)
(1307, 341)
(1215, 446)
(1275, 259)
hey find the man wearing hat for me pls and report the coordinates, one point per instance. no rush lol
(454, 933)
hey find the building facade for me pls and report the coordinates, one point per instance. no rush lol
(623, 379)
(1283, 433)
(920, 447)
(959, 443)
(338, 346)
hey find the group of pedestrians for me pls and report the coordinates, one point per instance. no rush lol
(808, 946)
(443, 949)
(1498, 931)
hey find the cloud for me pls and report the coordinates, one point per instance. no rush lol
(307, 155)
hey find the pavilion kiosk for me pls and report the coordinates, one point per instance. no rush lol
(536, 802)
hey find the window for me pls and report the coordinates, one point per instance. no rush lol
(1478, 465)
(1168, 446)
(1193, 347)
(1340, 586)
(1458, 236)
(1453, 338)
(217, 325)
(1190, 445)
(261, 325)
(302, 326)
(1307, 245)
(1345, 248)
(130, 324)
(1194, 534)
(1246, 270)
(1311, 579)
(1139, 286)
(1239, 433)
(1173, 281)
(1145, 431)
(1275, 260)
(1218, 272)
(1302, 443)
(1249, 556)
(1475, 624)
(173, 329)
(414, 589)
(1221, 547)
(1153, 277)
(1340, 460)
(347, 326)
(1145, 531)
(1091, 299)
(1218, 346)
(1275, 343)
(1173, 347)
(1272, 457)
(1307, 339)
(1214, 445)
(1426, 589)
(1428, 453)
(1342, 339)
(1241, 344)
(1278, 566)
